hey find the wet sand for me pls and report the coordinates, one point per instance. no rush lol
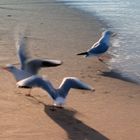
(58, 32)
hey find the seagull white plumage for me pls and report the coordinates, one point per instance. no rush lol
(59, 94)
(28, 66)
(99, 47)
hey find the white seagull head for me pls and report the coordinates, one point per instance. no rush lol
(9, 67)
(108, 33)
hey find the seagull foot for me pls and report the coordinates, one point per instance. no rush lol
(54, 108)
(29, 95)
(100, 59)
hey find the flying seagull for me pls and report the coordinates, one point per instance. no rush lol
(58, 95)
(28, 66)
(99, 47)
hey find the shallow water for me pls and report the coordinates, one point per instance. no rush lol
(123, 17)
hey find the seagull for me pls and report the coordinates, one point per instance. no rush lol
(58, 95)
(99, 47)
(28, 65)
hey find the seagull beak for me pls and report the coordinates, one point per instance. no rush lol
(4, 68)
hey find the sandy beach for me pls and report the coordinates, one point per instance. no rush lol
(57, 31)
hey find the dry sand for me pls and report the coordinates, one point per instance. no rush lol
(58, 32)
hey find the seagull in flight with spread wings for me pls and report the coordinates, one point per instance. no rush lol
(28, 66)
(58, 95)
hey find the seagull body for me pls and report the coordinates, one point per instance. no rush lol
(99, 47)
(59, 94)
(28, 66)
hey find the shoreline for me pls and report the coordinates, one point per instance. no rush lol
(59, 32)
(114, 73)
(123, 73)
(103, 23)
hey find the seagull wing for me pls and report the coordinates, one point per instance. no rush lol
(34, 65)
(72, 82)
(66, 85)
(101, 48)
(93, 47)
(21, 51)
(37, 81)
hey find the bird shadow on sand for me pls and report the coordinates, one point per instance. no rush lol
(75, 128)
(117, 75)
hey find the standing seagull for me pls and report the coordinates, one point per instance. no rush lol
(28, 66)
(99, 47)
(59, 94)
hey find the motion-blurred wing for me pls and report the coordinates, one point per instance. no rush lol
(34, 65)
(21, 51)
(72, 82)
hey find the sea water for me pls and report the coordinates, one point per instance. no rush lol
(123, 17)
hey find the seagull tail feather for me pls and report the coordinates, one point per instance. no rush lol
(83, 53)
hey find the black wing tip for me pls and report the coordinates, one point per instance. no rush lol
(27, 87)
(51, 64)
(83, 53)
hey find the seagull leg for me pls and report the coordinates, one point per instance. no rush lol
(100, 59)
(105, 58)
(29, 93)
(59, 107)
(54, 107)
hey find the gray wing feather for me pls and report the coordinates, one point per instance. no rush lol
(21, 51)
(36, 81)
(72, 82)
(66, 85)
(34, 65)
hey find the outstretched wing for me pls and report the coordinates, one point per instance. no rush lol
(62, 91)
(22, 51)
(36, 81)
(72, 82)
(32, 81)
(34, 65)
